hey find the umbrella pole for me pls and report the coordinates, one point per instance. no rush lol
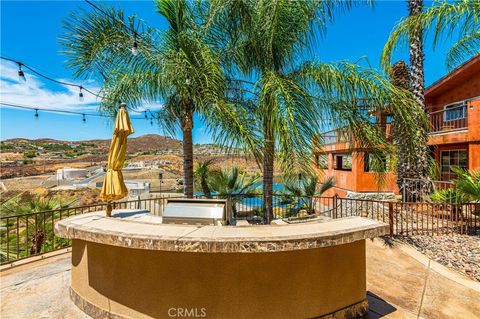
(109, 209)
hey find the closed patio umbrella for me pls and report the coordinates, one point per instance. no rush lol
(113, 186)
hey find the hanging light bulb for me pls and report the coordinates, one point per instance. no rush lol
(21, 75)
(80, 95)
(151, 121)
(146, 116)
(36, 114)
(84, 119)
(135, 44)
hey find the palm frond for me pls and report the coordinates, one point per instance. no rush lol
(443, 19)
(465, 48)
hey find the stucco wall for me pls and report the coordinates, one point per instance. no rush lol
(292, 284)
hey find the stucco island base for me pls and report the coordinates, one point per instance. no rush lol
(310, 278)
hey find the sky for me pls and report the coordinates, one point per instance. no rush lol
(30, 31)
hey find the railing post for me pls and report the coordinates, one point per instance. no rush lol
(335, 203)
(390, 217)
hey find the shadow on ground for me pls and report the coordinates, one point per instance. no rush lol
(377, 307)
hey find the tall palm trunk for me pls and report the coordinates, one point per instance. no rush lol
(412, 170)
(187, 126)
(268, 161)
(416, 55)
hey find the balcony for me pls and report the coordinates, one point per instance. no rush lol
(449, 118)
(343, 135)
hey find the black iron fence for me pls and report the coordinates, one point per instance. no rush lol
(32, 234)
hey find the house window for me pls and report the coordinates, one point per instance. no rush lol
(455, 158)
(322, 161)
(372, 164)
(455, 111)
(342, 162)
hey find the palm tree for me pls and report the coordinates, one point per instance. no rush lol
(415, 7)
(412, 169)
(458, 19)
(443, 18)
(202, 173)
(177, 67)
(288, 95)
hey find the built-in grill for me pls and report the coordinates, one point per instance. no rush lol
(195, 211)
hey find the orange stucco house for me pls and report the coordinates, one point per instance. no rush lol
(453, 108)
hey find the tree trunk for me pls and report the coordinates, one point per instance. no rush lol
(268, 161)
(206, 188)
(412, 170)
(187, 126)
(416, 55)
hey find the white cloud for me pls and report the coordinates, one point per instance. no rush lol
(35, 92)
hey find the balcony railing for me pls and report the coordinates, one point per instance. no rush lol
(345, 136)
(336, 136)
(452, 117)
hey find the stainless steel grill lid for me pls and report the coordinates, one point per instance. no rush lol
(195, 211)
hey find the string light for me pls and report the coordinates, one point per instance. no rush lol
(84, 115)
(135, 44)
(80, 95)
(146, 116)
(21, 75)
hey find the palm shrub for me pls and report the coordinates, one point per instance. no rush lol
(306, 188)
(233, 184)
(37, 228)
(468, 184)
(289, 97)
(234, 181)
(466, 188)
(202, 173)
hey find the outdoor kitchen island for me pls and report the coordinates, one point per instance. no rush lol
(131, 265)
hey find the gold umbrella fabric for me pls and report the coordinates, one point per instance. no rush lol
(113, 186)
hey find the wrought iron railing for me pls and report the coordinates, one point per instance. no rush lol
(27, 235)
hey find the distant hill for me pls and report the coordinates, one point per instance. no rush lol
(149, 142)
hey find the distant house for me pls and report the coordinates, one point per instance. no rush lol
(453, 108)
(68, 173)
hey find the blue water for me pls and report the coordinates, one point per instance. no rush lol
(257, 201)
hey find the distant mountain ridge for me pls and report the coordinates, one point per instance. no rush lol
(148, 142)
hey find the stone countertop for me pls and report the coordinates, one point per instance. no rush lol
(137, 229)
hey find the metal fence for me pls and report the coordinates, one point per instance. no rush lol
(414, 218)
(32, 234)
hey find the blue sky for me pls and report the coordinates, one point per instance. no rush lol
(30, 30)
